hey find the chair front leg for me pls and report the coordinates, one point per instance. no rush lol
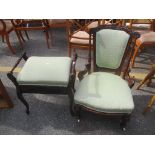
(21, 98)
(124, 119)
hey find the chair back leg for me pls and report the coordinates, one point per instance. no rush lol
(9, 44)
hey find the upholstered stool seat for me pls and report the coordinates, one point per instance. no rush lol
(46, 71)
(104, 92)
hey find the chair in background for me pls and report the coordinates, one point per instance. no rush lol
(147, 38)
(79, 38)
(6, 28)
(44, 75)
(56, 23)
(148, 79)
(28, 25)
(103, 92)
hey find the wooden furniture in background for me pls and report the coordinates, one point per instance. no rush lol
(146, 28)
(149, 105)
(6, 28)
(5, 101)
(79, 38)
(148, 77)
(56, 23)
(34, 24)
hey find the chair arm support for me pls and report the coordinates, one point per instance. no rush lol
(24, 56)
(73, 71)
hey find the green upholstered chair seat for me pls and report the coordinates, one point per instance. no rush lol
(104, 92)
(110, 47)
(46, 71)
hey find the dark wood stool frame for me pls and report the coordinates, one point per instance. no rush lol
(20, 89)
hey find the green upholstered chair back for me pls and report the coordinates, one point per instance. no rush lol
(110, 47)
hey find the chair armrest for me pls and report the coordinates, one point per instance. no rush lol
(24, 56)
(73, 71)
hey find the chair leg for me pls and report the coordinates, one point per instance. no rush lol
(124, 120)
(47, 38)
(27, 35)
(134, 55)
(69, 50)
(147, 78)
(9, 45)
(3, 38)
(21, 98)
(19, 38)
(149, 105)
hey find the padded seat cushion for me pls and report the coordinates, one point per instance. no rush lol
(140, 26)
(47, 71)
(104, 92)
(147, 37)
(80, 37)
(93, 25)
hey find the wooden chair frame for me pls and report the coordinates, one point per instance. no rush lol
(71, 33)
(5, 35)
(20, 89)
(125, 63)
(23, 25)
(139, 44)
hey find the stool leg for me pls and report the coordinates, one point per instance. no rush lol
(21, 98)
(149, 105)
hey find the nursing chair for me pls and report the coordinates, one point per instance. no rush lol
(101, 91)
(44, 75)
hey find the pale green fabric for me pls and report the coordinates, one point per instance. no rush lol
(104, 92)
(110, 47)
(47, 71)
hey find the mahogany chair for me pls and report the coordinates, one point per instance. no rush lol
(44, 75)
(147, 38)
(30, 25)
(6, 28)
(103, 92)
